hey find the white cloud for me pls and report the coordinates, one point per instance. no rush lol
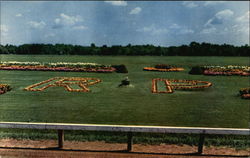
(219, 17)
(208, 30)
(81, 27)
(174, 26)
(224, 14)
(67, 20)
(208, 23)
(190, 4)
(186, 31)
(4, 28)
(57, 20)
(73, 22)
(211, 3)
(136, 10)
(117, 3)
(244, 18)
(224, 24)
(19, 15)
(241, 29)
(37, 25)
(153, 30)
(180, 30)
(49, 35)
(242, 24)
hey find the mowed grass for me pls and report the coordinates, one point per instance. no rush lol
(217, 106)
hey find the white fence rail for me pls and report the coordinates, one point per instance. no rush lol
(125, 128)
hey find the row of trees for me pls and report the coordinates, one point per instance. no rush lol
(193, 49)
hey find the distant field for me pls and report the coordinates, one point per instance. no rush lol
(217, 106)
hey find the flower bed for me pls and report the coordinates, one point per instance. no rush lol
(245, 93)
(4, 88)
(163, 68)
(83, 83)
(172, 85)
(60, 66)
(221, 70)
(214, 72)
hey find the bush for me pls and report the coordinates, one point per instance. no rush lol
(245, 91)
(197, 70)
(120, 68)
(4, 88)
(164, 66)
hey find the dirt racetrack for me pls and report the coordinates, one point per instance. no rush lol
(47, 148)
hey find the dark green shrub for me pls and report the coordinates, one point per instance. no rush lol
(197, 70)
(164, 66)
(244, 91)
(120, 68)
(4, 88)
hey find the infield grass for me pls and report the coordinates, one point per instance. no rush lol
(217, 106)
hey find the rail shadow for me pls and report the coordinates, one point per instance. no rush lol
(123, 151)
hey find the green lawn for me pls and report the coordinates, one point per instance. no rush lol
(217, 106)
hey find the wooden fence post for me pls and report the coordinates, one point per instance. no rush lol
(130, 141)
(201, 142)
(60, 138)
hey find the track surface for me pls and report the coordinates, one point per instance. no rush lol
(47, 148)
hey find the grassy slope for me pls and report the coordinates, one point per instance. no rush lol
(218, 106)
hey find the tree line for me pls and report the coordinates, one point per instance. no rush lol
(193, 49)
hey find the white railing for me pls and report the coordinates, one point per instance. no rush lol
(125, 128)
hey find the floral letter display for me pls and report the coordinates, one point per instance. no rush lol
(66, 82)
(171, 85)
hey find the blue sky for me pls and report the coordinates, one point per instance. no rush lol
(162, 23)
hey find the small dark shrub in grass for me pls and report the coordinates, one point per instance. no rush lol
(197, 70)
(4, 88)
(164, 66)
(245, 93)
(120, 68)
